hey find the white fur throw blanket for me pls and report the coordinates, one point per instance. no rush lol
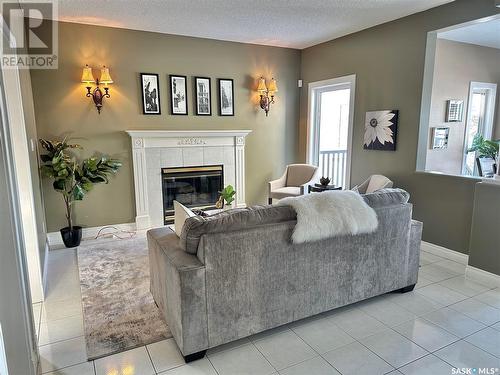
(329, 214)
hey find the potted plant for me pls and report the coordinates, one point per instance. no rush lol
(73, 179)
(226, 197)
(486, 149)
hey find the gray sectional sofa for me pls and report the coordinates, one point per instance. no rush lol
(237, 273)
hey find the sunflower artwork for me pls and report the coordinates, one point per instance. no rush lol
(380, 130)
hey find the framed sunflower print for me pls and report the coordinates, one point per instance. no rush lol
(381, 128)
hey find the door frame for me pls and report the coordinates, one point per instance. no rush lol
(489, 115)
(313, 108)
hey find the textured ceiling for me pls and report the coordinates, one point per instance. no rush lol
(484, 34)
(284, 23)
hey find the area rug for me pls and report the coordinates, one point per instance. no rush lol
(119, 312)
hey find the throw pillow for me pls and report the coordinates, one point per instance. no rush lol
(181, 213)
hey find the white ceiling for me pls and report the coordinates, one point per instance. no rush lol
(284, 23)
(484, 34)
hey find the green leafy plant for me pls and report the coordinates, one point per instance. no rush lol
(484, 147)
(74, 179)
(228, 194)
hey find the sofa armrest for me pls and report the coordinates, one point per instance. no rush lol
(178, 288)
(278, 183)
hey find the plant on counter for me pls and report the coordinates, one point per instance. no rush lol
(227, 194)
(486, 148)
(73, 179)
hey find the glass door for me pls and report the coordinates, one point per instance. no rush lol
(331, 129)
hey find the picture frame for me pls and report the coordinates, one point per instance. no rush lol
(454, 110)
(226, 96)
(440, 137)
(381, 130)
(203, 95)
(150, 91)
(178, 95)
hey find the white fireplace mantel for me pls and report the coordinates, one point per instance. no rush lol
(156, 149)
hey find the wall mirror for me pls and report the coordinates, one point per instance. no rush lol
(461, 78)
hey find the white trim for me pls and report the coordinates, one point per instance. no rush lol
(350, 81)
(481, 276)
(54, 238)
(489, 114)
(444, 252)
(186, 133)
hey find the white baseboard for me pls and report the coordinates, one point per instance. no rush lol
(445, 253)
(485, 277)
(54, 238)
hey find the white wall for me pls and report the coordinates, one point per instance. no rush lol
(21, 154)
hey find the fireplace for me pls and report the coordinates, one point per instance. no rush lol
(194, 187)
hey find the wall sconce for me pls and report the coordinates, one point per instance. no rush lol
(267, 93)
(97, 95)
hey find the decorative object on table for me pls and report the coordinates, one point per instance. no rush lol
(227, 194)
(454, 110)
(324, 181)
(178, 95)
(220, 203)
(203, 96)
(150, 90)
(226, 97)
(440, 138)
(485, 148)
(74, 179)
(381, 130)
(97, 95)
(318, 188)
(267, 93)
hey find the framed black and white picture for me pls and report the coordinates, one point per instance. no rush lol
(440, 138)
(226, 97)
(454, 110)
(178, 95)
(380, 130)
(150, 94)
(203, 96)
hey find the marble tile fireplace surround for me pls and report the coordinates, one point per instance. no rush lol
(153, 150)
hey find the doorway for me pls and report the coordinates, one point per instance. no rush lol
(480, 115)
(331, 115)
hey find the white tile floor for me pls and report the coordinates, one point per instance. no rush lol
(448, 321)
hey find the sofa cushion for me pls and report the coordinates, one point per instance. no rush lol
(231, 220)
(289, 191)
(386, 197)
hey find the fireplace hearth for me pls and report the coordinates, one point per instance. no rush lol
(195, 187)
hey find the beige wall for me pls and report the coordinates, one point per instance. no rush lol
(388, 61)
(456, 65)
(62, 108)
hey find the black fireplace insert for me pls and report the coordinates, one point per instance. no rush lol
(194, 187)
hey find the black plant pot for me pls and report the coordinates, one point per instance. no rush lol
(73, 237)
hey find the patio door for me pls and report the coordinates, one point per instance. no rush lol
(331, 113)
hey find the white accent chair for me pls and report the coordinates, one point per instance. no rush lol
(294, 181)
(373, 183)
